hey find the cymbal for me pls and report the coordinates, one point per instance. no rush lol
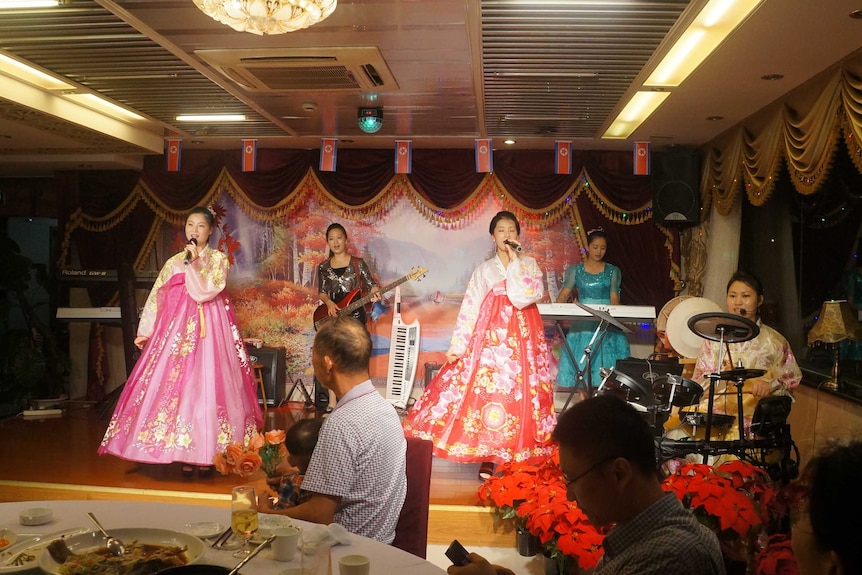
(726, 327)
(740, 373)
(683, 340)
(603, 316)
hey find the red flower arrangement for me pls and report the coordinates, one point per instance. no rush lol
(723, 495)
(739, 502)
(262, 451)
(736, 499)
(535, 497)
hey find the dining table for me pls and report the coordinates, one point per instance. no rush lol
(184, 518)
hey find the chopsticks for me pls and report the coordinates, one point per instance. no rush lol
(222, 539)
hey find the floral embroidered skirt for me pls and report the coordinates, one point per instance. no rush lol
(496, 403)
(188, 397)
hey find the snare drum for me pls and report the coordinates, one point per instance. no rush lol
(628, 389)
(676, 390)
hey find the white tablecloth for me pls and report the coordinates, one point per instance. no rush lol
(385, 559)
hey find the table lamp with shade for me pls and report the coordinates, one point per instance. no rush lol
(836, 323)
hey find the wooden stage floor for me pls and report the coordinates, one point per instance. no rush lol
(56, 457)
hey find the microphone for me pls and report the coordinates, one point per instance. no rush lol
(512, 245)
(188, 257)
(743, 311)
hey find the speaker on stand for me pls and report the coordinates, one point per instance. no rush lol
(676, 187)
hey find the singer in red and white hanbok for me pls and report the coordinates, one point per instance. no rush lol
(493, 400)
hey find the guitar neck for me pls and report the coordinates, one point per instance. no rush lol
(364, 300)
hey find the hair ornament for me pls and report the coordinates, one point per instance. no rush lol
(211, 210)
(594, 230)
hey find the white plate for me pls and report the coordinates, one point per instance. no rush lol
(91, 541)
(266, 522)
(33, 547)
(7, 538)
(204, 529)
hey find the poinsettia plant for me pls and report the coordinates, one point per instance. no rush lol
(535, 497)
(261, 451)
(741, 504)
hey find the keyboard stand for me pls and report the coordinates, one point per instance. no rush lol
(309, 402)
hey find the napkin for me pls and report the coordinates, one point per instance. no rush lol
(318, 536)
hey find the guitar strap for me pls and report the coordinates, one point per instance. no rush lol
(355, 263)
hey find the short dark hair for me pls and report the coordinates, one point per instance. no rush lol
(504, 215)
(346, 341)
(302, 436)
(605, 426)
(835, 501)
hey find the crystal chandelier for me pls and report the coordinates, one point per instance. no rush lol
(267, 16)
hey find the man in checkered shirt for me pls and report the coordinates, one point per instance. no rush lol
(607, 455)
(357, 476)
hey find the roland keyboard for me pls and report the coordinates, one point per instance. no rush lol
(564, 311)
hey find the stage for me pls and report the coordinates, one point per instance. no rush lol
(55, 457)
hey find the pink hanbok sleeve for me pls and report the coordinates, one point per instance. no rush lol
(206, 277)
(151, 306)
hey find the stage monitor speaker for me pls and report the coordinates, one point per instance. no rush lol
(676, 187)
(274, 361)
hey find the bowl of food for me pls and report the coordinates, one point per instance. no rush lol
(7, 538)
(147, 552)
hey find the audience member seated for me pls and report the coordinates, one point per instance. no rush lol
(607, 455)
(826, 535)
(357, 473)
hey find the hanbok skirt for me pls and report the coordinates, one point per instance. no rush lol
(496, 403)
(192, 392)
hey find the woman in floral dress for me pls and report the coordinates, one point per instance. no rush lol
(493, 401)
(192, 392)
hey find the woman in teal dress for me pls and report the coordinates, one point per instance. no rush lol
(593, 281)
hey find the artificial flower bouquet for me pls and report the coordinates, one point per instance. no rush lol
(261, 451)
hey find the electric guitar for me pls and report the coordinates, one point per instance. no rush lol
(349, 303)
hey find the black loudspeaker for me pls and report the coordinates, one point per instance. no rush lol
(676, 187)
(321, 396)
(274, 361)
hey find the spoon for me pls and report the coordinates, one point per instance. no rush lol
(253, 552)
(114, 546)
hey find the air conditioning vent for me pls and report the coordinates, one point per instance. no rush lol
(304, 69)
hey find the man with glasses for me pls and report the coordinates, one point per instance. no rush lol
(607, 455)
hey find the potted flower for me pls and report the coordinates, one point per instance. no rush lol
(261, 451)
(534, 496)
(739, 502)
(506, 490)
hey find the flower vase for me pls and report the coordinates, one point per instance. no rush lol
(527, 544)
(554, 566)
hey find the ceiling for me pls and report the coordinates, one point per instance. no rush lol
(444, 71)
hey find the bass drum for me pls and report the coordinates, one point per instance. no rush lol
(629, 390)
(677, 391)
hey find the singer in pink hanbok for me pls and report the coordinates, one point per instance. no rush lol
(493, 401)
(192, 391)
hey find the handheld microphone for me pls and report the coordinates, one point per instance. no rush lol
(512, 245)
(188, 257)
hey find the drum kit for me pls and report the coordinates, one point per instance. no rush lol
(657, 402)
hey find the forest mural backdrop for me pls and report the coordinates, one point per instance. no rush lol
(273, 270)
